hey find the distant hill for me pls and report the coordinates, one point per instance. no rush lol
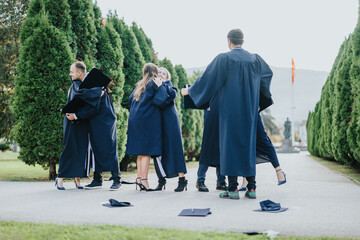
(307, 92)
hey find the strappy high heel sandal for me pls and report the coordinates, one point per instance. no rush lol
(142, 187)
(137, 183)
(283, 181)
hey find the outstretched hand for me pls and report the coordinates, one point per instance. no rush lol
(185, 91)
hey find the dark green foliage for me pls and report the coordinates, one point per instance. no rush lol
(133, 59)
(334, 128)
(342, 106)
(146, 50)
(83, 26)
(12, 14)
(41, 90)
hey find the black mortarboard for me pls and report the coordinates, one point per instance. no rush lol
(95, 78)
(270, 206)
(189, 103)
(195, 212)
(115, 203)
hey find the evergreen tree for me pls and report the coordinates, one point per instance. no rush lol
(133, 59)
(58, 14)
(83, 26)
(342, 106)
(12, 14)
(41, 90)
(146, 51)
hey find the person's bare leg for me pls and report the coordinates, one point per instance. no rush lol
(138, 168)
(77, 180)
(181, 174)
(244, 183)
(145, 163)
(279, 174)
(60, 182)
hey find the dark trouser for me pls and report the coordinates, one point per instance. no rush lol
(201, 174)
(233, 183)
(264, 145)
(114, 175)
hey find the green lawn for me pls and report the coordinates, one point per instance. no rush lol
(38, 231)
(13, 169)
(350, 173)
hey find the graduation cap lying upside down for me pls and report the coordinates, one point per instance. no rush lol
(95, 78)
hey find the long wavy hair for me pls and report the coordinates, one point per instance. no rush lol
(149, 72)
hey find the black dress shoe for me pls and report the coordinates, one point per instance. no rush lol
(221, 186)
(94, 185)
(201, 187)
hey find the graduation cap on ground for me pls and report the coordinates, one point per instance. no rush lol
(95, 78)
(195, 212)
(114, 203)
(189, 103)
(271, 207)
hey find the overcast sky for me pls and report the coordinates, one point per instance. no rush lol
(193, 32)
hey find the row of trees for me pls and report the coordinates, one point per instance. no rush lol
(333, 129)
(55, 33)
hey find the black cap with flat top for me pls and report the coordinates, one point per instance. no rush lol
(195, 212)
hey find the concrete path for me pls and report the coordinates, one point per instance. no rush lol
(321, 202)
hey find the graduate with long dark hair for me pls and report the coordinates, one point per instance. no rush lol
(172, 161)
(144, 137)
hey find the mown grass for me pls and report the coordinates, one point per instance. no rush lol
(38, 231)
(13, 169)
(347, 171)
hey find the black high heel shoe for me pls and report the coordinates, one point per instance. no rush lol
(78, 186)
(137, 183)
(142, 187)
(56, 184)
(161, 184)
(182, 184)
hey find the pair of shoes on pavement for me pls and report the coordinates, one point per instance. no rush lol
(235, 195)
(96, 184)
(202, 187)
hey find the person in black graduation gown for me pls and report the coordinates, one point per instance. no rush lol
(238, 76)
(172, 161)
(101, 133)
(72, 162)
(144, 136)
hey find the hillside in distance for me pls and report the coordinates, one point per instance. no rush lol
(307, 92)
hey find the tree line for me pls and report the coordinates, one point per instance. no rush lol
(333, 128)
(41, 39)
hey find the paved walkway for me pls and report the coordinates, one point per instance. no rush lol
(321, 202)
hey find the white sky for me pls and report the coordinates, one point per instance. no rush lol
(193, 32)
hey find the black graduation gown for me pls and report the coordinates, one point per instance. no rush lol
(144, 136)
(238, 76)
(172, 160)
(103, 138)
(72, 162)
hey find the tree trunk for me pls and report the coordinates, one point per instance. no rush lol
(52, 171)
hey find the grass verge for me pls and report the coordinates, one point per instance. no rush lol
(38, 231)
(347, 171)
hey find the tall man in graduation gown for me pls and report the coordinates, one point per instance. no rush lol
(238, 76)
